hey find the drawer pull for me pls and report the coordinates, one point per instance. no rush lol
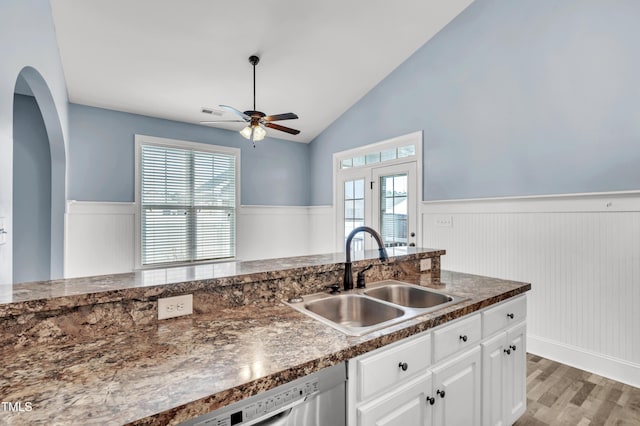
(403, 366)
(510, 315)
(431, 400)
(440, 393)
(513, 347)
(463, 338)
(507, 351)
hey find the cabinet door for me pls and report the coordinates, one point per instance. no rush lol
(406, 405)
(494, 368)
(457, 390)
(516, 373)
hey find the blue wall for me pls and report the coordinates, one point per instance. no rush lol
(31, 193)
(515, 98)
(102, 149)
(28, 47)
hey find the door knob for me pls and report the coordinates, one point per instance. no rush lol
(413, 234)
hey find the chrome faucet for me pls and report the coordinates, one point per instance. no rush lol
(348, 275)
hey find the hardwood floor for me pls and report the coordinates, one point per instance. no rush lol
(561, 395)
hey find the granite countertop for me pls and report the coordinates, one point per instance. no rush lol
(159, 282)
(171, 371)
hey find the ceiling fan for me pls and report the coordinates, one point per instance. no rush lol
(258, 120)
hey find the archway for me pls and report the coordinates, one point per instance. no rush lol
(31, 81)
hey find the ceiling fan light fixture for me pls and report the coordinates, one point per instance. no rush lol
(246, 132)
(258, 133)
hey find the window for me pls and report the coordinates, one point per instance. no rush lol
(378, 156)
(187, 196)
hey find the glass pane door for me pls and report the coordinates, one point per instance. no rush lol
(353, 207)
(395, 206)
(393, 210)
(354, 211)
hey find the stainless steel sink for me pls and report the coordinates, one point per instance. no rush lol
(405, 295)
(382, 304)
(352, 310)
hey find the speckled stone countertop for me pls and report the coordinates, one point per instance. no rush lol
(160, 282)
(164, 373)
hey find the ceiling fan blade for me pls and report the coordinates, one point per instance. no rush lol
(222, 121)
(244, 116)
(278, 117)
(282, 128)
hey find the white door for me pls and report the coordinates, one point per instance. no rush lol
(395, 207)
(405, 406)
(516, 375)
(457, 391)
(494, 360)
(383, 198)
(354, 206)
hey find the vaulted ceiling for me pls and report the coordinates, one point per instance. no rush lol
(169, 58)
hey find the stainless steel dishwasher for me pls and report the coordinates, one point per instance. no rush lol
(314, 400)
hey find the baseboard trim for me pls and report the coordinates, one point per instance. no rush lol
(612, 368)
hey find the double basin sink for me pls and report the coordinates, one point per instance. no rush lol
(380, 305)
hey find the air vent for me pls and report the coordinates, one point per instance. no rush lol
(211, 111)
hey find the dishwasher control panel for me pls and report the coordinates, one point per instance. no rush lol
(262, 406)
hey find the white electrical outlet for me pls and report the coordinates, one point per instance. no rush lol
(444, 221)
(176, 306)
(425, 264)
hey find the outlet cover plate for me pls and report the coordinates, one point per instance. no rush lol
(425, 264)
(177, 306)
(444, 221)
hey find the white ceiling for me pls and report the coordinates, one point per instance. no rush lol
(170, 58)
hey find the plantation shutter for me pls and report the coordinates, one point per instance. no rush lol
(188, 205)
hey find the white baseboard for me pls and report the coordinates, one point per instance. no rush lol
(616, 369)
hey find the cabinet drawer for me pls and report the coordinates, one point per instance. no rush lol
(391, 366)
(503, 315)
(456, 337)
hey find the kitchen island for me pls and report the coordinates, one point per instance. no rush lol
(76, 364)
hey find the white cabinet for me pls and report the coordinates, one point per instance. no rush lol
(404, 406)
(494, 369)
(516, 373)
(382, 369)
(457, 390)
(469, 372)
(504, 376)
(456, 337)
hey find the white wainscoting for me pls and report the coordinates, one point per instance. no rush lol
(580, 252)
(266, 232)
(100, 236)
(322, 227)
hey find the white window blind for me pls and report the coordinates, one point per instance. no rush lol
(188, 205)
